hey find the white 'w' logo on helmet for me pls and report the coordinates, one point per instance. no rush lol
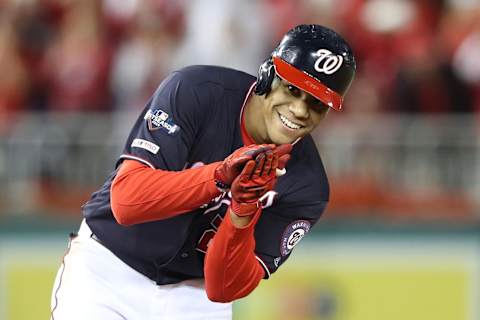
(327, 62)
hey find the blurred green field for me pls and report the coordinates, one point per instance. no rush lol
(333, 276)
(29, 288)
(29, 261)
(314, 289)
(300, 292)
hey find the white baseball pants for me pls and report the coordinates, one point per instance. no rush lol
(92, 283)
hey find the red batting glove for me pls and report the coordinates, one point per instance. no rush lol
(257, 178)
(231, 167)
(283, 152)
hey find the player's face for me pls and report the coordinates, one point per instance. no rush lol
(291, 113)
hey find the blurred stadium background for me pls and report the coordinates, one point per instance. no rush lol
(401, 237)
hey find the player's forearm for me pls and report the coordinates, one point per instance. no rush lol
(231, 267)
(141, 194)
(239, 222)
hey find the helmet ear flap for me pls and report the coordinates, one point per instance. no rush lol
(266, 73)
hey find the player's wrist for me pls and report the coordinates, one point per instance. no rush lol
(221, 186)
(244, 209)
(221, 182)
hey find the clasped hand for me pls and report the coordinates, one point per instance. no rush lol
(259, 175)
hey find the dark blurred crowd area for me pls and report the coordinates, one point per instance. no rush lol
(60, 55)
(104, 55)
(417, 57)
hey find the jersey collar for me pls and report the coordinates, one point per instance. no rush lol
(246, 138)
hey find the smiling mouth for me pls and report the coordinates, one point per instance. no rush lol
(289, 124)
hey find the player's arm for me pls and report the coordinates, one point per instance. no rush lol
(140, 193)
(232, 269)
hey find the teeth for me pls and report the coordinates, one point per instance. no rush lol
(289, 123)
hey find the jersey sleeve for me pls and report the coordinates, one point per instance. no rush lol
(280, 229)
(166, 129)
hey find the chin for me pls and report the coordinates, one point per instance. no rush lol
(284, 139)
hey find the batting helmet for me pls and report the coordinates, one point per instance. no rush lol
(313, 58)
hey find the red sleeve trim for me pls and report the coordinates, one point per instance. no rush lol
(265, 268)
(232, 270)
(141, 194)
(129, 156)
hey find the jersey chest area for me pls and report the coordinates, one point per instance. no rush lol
(216, 139)
(212, 214)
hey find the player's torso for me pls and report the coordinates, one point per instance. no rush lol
(173, 249)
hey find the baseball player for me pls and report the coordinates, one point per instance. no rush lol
(218, 181)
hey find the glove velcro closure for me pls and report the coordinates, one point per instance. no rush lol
(244, 209)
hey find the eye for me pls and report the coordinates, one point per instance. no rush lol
(316, 105)
(294, 91)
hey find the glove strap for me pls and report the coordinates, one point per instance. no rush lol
(243, 209)
(223, 187)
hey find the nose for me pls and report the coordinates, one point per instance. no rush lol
(299, 108)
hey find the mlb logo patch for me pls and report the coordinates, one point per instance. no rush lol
(158, 119)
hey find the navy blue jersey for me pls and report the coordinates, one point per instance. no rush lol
(193, 119)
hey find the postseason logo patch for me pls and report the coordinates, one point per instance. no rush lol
(292, 235)
(160, 120)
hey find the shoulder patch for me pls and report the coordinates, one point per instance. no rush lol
(144, 144)
(292, 235)
(158, 119)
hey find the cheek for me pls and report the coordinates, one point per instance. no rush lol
(317, 117)
(268, 112)
(271, 109)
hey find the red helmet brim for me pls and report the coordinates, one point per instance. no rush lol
(307, 83)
